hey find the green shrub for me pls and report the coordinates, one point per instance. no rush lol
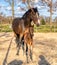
(43, 22)
(5, 28)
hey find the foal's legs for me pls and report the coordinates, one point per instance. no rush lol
(31, 52)
(23, 44)
(27, 53)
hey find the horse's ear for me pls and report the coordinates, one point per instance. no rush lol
(35, 7)
(36, 10)
(30, 10)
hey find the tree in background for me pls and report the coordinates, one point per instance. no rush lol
(55, 19)
(43, 21)
(52, 7)
(11, 3)
(29, 2)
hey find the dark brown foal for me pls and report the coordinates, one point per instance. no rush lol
(28, 40)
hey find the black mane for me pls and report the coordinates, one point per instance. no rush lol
(27, 13)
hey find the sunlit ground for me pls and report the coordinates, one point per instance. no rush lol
(44, 51)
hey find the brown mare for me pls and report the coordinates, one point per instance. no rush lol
(20, 25)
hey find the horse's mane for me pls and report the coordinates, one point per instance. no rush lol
(27, 12)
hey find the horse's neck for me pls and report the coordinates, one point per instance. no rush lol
(27, 21)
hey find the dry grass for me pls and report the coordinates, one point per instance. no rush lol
(44, 52)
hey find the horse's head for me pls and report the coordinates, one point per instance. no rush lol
(34, 15)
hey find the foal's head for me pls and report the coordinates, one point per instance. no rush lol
(34, 15)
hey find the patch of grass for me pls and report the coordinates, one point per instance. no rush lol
(45, 28)
(5, 28)
(41, 28)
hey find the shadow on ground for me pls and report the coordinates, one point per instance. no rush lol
(16, 62)
(46, 43)
(43, 61)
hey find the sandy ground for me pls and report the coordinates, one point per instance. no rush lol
(44, 51)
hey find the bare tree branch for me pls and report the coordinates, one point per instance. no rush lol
(51, 7)
(11, 3)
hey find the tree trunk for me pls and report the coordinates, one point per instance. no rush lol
(28, 2)
(12, 5)
(51, 16)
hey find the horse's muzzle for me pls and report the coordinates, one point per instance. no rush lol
(38, 23)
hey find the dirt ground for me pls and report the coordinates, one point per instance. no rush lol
(44, 51)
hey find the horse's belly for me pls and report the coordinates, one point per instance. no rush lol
(18, 29)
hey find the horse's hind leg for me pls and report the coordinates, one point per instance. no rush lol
(18, 44)
(17, 39)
